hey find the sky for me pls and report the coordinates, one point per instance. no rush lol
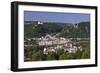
(58, 17)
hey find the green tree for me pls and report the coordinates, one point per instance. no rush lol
(86, 54)
(65, 56)
(34, 57)
(78, 54)
(51, 56)
(41, 56)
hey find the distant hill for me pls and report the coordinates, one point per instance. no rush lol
(33, 29)
(61, 24)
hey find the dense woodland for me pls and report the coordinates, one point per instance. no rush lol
(66, 30)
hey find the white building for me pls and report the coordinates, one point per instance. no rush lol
(51, 40)
(39, 22)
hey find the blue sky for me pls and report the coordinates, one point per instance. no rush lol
(56, 17)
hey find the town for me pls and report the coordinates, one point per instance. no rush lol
(52, 43)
